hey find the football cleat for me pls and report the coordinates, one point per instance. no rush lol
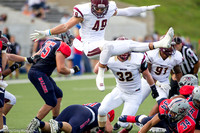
(126, 130)
(157, 130)
(34, 124)
(54, 126)
(165, 42)
(5, 129)
(116, 127)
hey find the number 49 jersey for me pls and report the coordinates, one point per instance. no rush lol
(127, 73)
(93, 26)
(160, 69)
(47, 63)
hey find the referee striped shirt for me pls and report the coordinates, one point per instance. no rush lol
(189, 60)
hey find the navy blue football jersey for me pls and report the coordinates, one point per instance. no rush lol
(47, 63)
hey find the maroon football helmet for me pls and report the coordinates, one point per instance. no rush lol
(124, 56)
(99, 4)
(168, 51)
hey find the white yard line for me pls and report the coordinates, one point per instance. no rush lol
(81, 77)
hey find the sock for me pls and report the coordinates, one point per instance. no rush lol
(42, 124)
(37, 118)
(4, 120)
(60, 124)
(130, 119)
(102, 128)
(54, 117)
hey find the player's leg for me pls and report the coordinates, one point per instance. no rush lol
(110, 101)
(119, 47)
(46, 90)
(59, 95)
(1, 109)
(131, 106)
(10, 101)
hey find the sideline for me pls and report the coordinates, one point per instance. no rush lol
(79, 77)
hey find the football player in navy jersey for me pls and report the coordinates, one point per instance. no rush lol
(53, 54)
(77, 119)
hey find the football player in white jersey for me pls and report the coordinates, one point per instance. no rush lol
(160, 63)
(126, 69)
(93, 18)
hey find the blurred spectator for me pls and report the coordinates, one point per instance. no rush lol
(3, 17)
(148, 38)
(14, 48)
(25, 10)
(77, 54)
(37, 8)
(6, 32)
(187, 43)
(65, 18)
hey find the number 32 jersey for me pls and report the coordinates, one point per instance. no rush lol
(127, 73)
(160, 69)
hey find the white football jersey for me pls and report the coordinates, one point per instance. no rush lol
(127, 73)
(161, 69)
(93, 28)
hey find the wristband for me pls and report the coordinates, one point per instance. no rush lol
(48, 32)
(72, 71)
(25, 59)
(153, 87)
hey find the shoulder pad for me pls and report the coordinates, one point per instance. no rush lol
(65, 49)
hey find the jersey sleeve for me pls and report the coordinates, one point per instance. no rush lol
(78, 10)
(148, 57)
(163, 108)
(112, 6)
(179, 58)
(194, 59)
(65, 49)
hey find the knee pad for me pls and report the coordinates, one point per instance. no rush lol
(11, 98)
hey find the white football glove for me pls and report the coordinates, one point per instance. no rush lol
(163, 86)
(152, 7)
(39, 35)
(3, 84)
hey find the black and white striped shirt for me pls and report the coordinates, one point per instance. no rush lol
(189, 60)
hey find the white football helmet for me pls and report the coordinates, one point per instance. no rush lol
(196, 97)
(179, 107)
(188, 79)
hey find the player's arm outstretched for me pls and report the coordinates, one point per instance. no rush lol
(134, 11)
(56, 30)
(150, 124)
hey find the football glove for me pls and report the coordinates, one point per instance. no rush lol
(76, 69)
(154, 91)
(152, 7)
(39, 35)
(33, 59)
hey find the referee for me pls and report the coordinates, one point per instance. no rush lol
(190, 65)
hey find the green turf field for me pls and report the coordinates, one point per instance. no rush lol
(74, 92)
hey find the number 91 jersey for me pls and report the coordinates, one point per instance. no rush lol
(127, 73)
(93, 26)
(160, 69)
